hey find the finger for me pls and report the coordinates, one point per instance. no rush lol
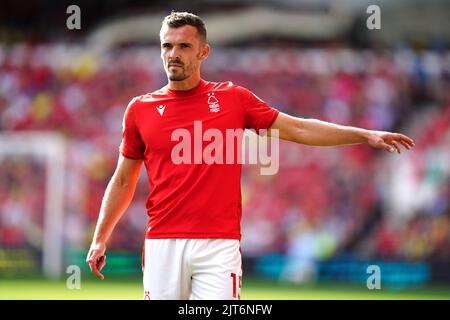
(93, 262)
(395, 144)
(405, 144)
(410, 144)
(99, 275)
(89, 260)
(101, 262)
(387, 147)
(97, 272)
(407, 139)
(93, 267)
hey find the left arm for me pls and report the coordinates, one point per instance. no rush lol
(314, 132)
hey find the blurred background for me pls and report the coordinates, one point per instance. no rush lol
(310, 231)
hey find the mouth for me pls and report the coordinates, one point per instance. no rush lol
(175, 65)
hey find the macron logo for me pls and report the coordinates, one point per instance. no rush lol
(161, 109)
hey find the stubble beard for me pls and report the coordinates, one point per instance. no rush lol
(177, 75)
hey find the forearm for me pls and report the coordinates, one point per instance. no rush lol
(116, 200)
(314, 132)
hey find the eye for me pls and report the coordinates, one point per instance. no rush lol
(166, 45)
(185, 45)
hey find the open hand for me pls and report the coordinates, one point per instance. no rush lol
(389, 141)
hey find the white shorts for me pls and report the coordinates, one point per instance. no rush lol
(196, 269)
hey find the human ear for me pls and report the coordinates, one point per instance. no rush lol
(204, 53)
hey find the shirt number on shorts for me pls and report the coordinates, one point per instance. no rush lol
(237, 285)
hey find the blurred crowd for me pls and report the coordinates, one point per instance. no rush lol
(322, 202)
(421, 228)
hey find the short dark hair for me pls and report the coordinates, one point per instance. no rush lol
(178, 19)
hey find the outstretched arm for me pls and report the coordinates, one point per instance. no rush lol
(116, 200)
(314, 132)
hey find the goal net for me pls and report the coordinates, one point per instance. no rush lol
(32, 166)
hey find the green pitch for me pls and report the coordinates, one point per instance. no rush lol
(253, 289)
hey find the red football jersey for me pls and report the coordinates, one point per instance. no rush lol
(192, 198)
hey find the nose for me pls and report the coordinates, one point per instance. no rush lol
(174, 53)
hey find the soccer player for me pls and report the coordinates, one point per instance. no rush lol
(192, 245)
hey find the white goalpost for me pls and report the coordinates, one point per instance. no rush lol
(50, 149)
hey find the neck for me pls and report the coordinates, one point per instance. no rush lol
(186, 84)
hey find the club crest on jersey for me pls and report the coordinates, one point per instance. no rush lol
(213, 103)
(161, 109)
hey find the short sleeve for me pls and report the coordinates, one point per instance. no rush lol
(258, 114)
(132, 146)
